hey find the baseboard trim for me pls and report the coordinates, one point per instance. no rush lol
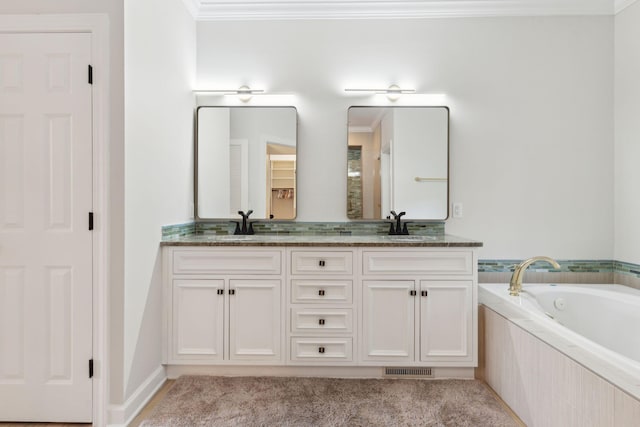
(122, 415)
(175, 371)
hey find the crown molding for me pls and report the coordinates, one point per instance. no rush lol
(229, 10)
(193, 6)
(621, 5)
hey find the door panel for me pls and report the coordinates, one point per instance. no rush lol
(12, 290)
(198, 319)
(388, 320)
(45, 244)
(446, 321)
(254, 324)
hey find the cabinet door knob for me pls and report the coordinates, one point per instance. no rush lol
(321, 263)
(321, 292)
(220, 291)
(321, 321)
(232, 291)
(423, 293)
(320, 349)
(412, 293)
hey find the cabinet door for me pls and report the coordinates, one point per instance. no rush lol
(388, 320)
(198, 320)
(255, 325)
(446, 316)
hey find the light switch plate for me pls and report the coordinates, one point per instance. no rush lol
(457, 210)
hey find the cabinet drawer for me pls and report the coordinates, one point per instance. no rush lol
(399, 262)
(322, 320)
(321, 262)
(321, 291)
(245, 262)
(319, 349)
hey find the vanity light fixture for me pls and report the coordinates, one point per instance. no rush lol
(393, 92)
(244, 92)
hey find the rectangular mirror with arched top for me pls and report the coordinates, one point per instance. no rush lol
(245, 159)
(398, 159)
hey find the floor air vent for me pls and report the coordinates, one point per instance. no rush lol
(409, 372)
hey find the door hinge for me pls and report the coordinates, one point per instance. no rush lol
(90, 368)
(90, 220)
(90, 76)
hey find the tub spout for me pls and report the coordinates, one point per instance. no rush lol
(515, 286)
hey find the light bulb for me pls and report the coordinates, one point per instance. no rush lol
(244, 93)
(394, 92)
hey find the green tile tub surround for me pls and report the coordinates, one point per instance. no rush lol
(566, 266)
(626, 268)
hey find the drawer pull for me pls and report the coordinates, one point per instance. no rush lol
(321, 321)
(321, 292)
(423, 293)
(232, 291)
(320, 349)
(321, 263)
(220, 291)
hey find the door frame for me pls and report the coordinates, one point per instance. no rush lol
(98, 26)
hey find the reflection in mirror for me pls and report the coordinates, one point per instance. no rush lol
(398, 159)
(246, 160)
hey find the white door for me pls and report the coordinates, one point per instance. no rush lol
(446, 321)
(45, 244)
(388, 320)
(254, 324)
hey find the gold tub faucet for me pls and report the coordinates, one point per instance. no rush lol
(515, 286)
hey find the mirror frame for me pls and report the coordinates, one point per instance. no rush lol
(448, 111)
(198, 218)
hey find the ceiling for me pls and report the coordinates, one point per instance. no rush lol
(364, 118)
(220, 10)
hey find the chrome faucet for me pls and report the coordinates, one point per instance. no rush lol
(515, 286)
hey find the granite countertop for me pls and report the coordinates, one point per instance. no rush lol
(444, 240)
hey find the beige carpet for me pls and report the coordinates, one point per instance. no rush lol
(274, 401)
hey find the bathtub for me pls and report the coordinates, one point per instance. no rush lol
(598, 326)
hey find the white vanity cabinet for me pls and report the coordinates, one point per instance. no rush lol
(331, 306)
(223, 305)
(321, 313)
(419, 307)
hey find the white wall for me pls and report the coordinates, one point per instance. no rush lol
(420, 150)
(627, 134)
(531, 114)
(159, 74)
(214, 185)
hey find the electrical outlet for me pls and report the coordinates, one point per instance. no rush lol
(457, 210)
